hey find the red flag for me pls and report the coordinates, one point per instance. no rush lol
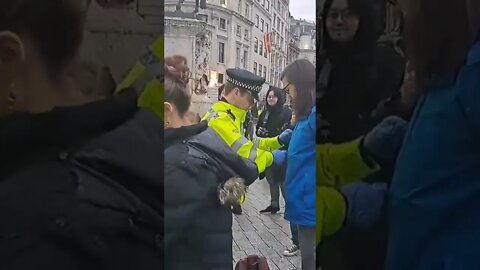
(267, 40)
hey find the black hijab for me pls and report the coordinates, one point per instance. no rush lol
(362, 75)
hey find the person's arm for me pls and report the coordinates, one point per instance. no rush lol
(226, 128)
(341, 164)
(331, 212)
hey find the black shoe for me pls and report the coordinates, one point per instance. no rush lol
(271, 209)
(237, 210)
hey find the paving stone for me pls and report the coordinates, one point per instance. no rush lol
(263, 234)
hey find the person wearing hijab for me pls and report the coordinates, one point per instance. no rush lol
(272, 122)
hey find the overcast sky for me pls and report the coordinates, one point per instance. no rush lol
(303, 9)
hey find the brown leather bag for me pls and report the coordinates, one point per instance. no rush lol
(252, 262)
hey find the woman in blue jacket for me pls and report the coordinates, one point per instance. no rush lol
(434, 200)
(299, 82)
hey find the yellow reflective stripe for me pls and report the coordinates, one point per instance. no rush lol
(241, 141)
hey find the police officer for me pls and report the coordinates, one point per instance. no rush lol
(227, 118)
(146, 75)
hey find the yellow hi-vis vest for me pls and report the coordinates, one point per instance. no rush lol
(337, 165)
(145, 73)
(227, 120)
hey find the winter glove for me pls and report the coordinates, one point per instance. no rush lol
(383, 143)
(366, 204)
(279, 157)
(285, 137)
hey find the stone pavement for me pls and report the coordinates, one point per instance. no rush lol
(263, 234)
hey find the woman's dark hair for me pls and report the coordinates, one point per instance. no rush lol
(301, 73)
(177, 75)
(367, 33)
(437, 38)
(56, 27)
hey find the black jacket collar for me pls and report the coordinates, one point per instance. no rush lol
(25, 136)
(174, 135)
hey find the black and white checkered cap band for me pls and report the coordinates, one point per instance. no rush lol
(249, 87)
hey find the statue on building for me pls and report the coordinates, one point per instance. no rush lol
(201, 3)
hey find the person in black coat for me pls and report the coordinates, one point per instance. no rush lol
(272, 122)
(204, 178)
(80, 187)
(358, 86)
(355, 75)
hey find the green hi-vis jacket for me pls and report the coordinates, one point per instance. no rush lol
(227, 120)
(146, 74)
(337, 165)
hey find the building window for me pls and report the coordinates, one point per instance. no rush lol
(221, 52)
(245, 59)
(220, 78)
(223, 24)
(278, 22)
(268, 5)
(255, 48)
(247, 11)
(266, 27)
(274, 19)
(257, 20)
(260, 49)
(262, 22)
(259, 70)
(255, 68)
(246, 35)
(240, 6)
(237, 57)
(263, 3)
(223, 2)
(265, 54)
(239, 31)
(265, 72)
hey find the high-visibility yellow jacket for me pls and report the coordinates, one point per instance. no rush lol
(145, 73)
(227, 120)
(337, 165)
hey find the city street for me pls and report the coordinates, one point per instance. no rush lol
(265, 234)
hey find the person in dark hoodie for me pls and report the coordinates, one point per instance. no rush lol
(358, 86)
(204, 178)
(80, 187)
(355, 74)
(272, 122)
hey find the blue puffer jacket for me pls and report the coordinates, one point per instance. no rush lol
(434, 199)
(300, 179)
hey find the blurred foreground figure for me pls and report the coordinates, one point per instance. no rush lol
(80, 187)
(434, 218)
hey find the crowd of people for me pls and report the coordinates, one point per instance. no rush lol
(384, 175)
(397, 159)
(211, 163)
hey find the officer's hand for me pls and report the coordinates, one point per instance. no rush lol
(383, 143)
(279, 157)
(285, 137)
